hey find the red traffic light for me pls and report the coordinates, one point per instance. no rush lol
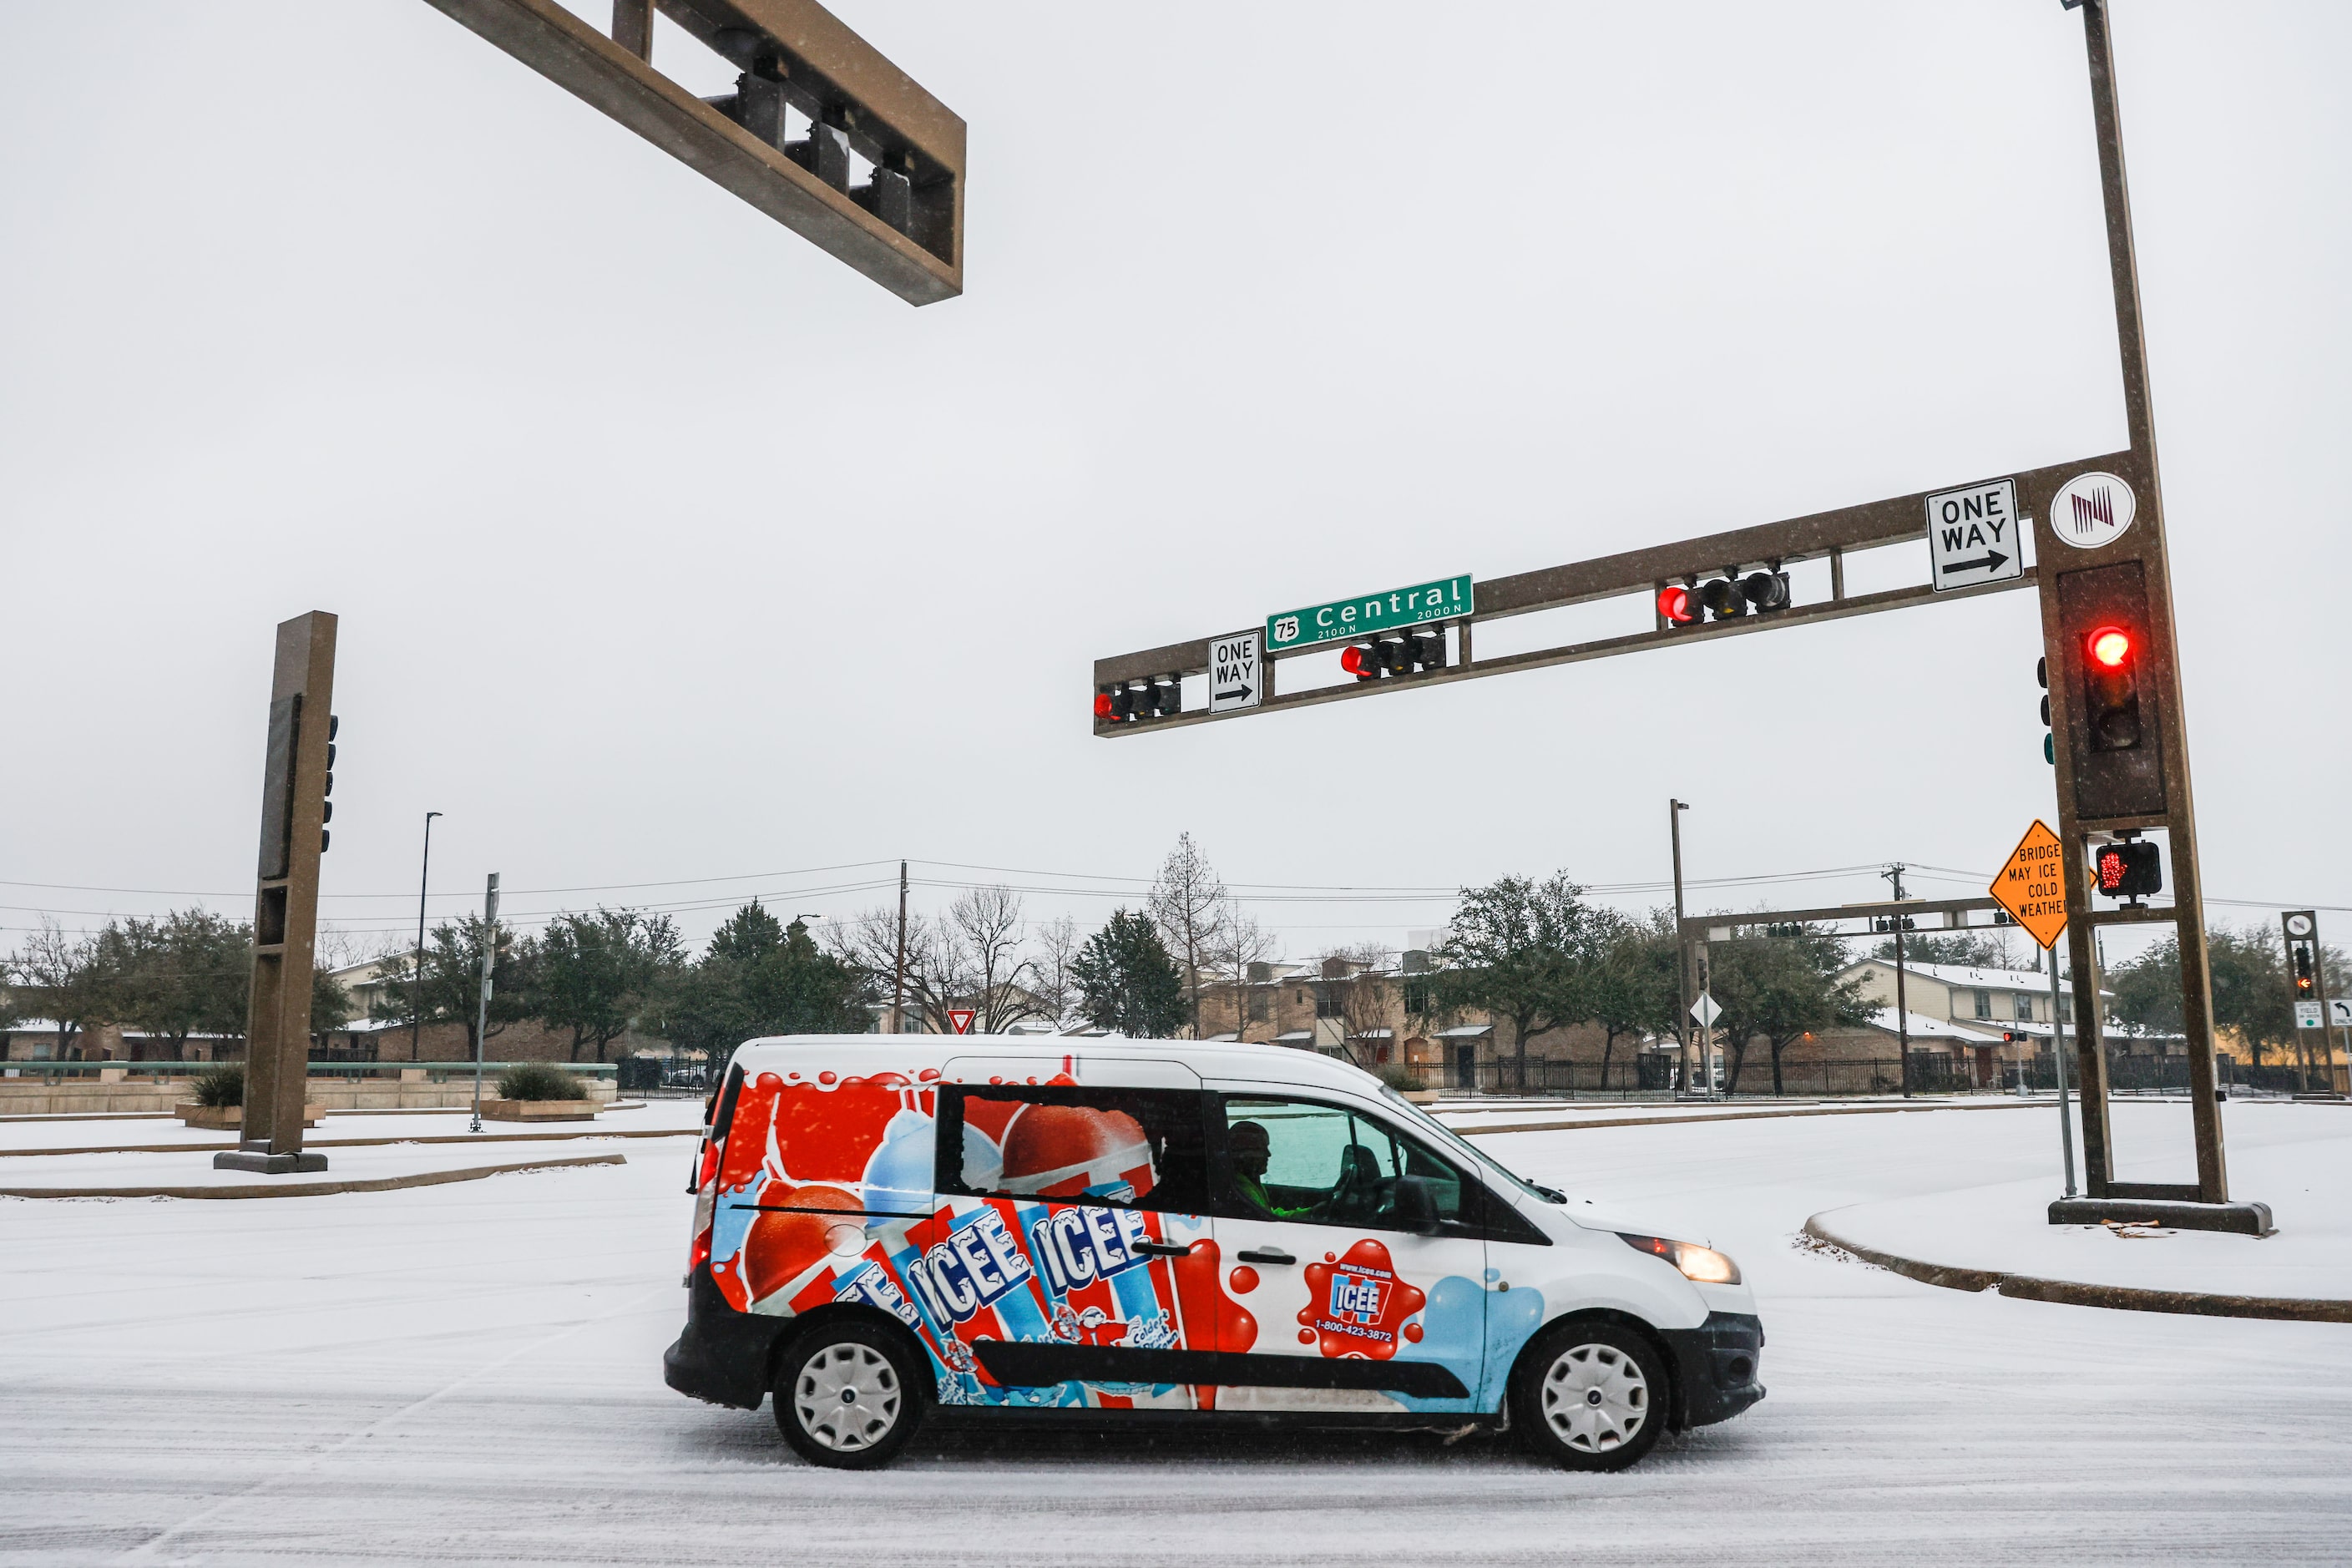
(2110, 647)
(1352, 660)
(1675, 606)
(1102, 704)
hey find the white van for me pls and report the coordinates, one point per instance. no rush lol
(894, 1228)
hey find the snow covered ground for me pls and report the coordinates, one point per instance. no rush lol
(471, 1373)
(117, 1132)
(142, 1155)
(2296, 1158)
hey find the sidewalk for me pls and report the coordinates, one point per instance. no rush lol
(1999, 1237)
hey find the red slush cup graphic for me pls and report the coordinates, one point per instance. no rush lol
(1354, 1304)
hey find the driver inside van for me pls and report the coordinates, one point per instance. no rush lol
(1253, 1150)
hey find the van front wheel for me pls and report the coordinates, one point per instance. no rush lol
(1591, 1397)
(846, 1397)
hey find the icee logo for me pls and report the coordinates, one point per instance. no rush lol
(875, 1288)
(979, 1264)
(1354, 1298)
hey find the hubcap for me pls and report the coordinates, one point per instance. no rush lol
(848, 1396)
(1595, 1398)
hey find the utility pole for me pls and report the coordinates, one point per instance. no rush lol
(482, 1008)
(1675, 809)
(2058, 1055)
(417, 997)
(1902, 1001)
(898, 995)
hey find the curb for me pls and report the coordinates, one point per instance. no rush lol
(315, 1189)
(2073, 1293)
(364, 1142)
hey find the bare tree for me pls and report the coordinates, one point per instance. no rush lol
(1243, 943)
(1188, 903)
(1058, 943)
(72, 981)
(985, 932)
(972, 957)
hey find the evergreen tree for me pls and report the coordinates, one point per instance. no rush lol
(598, 970)
(1126, 981)
(759, 978)
(1522, 950)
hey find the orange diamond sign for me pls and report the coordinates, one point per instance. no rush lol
(2032, 885)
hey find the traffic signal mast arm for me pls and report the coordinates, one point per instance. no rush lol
(812, 93)
(1646, 572)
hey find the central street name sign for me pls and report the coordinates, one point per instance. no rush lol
(2032, 885)
(1972, 536)
(1343, 619)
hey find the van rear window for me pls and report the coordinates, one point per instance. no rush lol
(1125, 1148)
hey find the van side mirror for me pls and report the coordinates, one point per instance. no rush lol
(1414, 1204)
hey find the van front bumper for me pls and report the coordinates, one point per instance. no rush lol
(1717, 1366)
(723, 1356)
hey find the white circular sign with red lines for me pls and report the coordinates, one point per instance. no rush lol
(2091, 510)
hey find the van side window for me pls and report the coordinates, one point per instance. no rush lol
(1129, 1148)
(1319, 1164)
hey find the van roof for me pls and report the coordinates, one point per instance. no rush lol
(912, 1054)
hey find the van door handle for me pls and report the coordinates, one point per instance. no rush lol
(1264, 1255)
(1163, 1249)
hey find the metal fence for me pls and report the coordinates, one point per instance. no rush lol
(1656, 1075)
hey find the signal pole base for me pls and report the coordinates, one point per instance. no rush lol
(2238, 1218)
(266, 1164)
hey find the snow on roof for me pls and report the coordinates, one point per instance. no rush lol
(1966, 974)
(1467, 1032)
(1925, 1027)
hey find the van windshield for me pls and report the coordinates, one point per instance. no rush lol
(1464, 1147)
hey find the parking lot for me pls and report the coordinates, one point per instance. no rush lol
(471, 1373)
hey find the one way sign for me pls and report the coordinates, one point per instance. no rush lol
(1972, 536)
(1236, 679)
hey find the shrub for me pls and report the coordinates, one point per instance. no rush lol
(1398, 1077)
(540, 1080)
(215, 1087)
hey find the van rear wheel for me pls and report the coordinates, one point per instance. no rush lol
(846, 1397)
(1591, 1397)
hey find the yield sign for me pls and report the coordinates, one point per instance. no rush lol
(2032, 885)
(962, 1018)
(1706, 1011)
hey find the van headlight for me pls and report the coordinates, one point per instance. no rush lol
(1704, 1264)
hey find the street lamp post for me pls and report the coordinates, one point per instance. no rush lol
(417, 972)
(1682, 947)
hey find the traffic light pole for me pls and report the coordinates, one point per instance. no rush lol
(2103, 576)
(2093, 574)
(294, 783)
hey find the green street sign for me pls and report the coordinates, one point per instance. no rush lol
(1342, 620)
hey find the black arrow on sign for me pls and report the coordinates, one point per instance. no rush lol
(1990, 561)
(1242, 694)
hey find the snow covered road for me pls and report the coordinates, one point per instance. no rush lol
(471, 1373)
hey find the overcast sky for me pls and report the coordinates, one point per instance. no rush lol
(667, 548)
